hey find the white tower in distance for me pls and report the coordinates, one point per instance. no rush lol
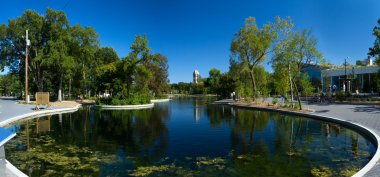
(196, 76)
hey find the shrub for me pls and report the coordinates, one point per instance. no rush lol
(340, 96)
(137, 98)
(274, 100)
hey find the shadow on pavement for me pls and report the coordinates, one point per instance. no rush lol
(369, 109)
(322, 111)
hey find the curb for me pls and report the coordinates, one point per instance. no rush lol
(159, 100)
(125, 107)
(362, 129)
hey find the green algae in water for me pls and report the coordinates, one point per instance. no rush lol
(145, 171)
(321, 172)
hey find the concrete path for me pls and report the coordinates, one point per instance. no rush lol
(11, 108)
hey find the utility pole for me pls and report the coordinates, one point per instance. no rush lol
(26, 68)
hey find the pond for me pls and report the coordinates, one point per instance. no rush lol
(185, 137)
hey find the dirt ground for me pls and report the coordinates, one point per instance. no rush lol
(271, 106)
(64, 103)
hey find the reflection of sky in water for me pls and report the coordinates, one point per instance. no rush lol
(190, 127)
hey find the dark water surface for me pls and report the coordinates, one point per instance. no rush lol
(185, 137)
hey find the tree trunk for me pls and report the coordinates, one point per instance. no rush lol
(60, 88)
(253, 83)
(70, 88)
(84, 81)
(291, 86)
(298, 95)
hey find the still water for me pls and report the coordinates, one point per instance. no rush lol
(185, 137)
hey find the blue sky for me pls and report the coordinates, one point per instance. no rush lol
(196, 34)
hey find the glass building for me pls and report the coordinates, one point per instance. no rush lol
(354, 78)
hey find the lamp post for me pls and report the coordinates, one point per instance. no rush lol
(345, 74)
(26, 67)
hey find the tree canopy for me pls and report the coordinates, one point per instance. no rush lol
(66, 58)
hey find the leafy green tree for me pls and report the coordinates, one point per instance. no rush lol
(159, 83)
(293, 54)
(359, 63)
(84, 47)
(58, 56)
(107, 70)
(241, 77)
(213, 81)
(10, 85)
(13, 45)
(227, 85)
(305, 85)
(375, 50)
(133, 62)
(251, 45)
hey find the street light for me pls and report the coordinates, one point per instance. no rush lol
(345, 73)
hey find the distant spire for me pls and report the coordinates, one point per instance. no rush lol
(196, 76)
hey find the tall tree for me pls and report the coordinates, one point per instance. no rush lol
(293, 54)
(159, 83)
(213, 81)
(251, 45)
(375, 50)
(58, 57)
(107, 68)
(85, 44)
(13, 45)
(132, 63)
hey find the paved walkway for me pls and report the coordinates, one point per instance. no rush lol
(11, 108)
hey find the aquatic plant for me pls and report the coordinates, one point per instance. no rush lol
(321, 172)
(145, 171)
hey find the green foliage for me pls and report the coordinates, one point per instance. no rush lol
(305, 85)
(10, 85)
(274, 100)
(375, 50)
(181, 88)
(341, 95)
(135, 99)
(251, 45)
(359, 63)
(214, 80)
(68, 58)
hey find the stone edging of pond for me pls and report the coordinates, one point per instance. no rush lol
(159, 100)
(40, 113)
(368, 132)
(126, 107)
